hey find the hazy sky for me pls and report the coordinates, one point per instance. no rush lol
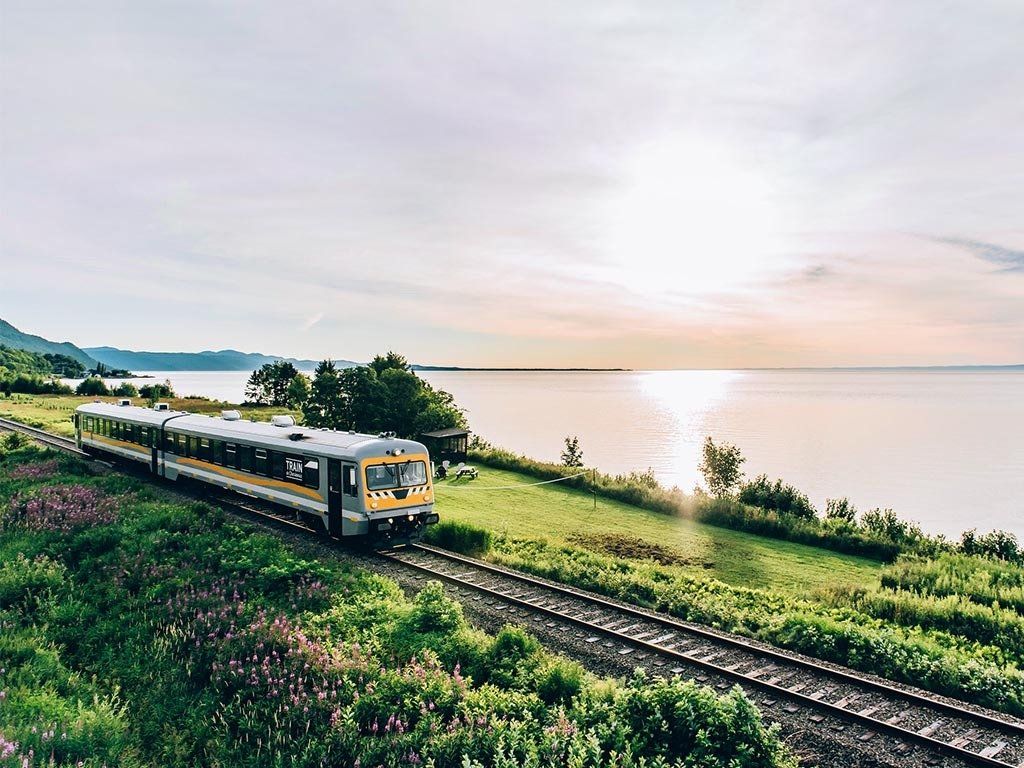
(678, 184)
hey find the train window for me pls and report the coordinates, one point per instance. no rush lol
(412, 473)
(349, 481)
(218, 452)
(205, 450)
(144, 436)
(182, 449)
(259, 464)
(193, 447)
(311, 473)
(230, 455)
(245, 458)
(277, 464)
(170, 442)
(381, 476)
(128, 433)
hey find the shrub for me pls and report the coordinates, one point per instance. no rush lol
(59, 508)
(776, 497)
(23, 581)
(15, 441)
(93, 385)
(460, 537)
(841, 510)
(559, 681)
(125, 389)
(1000, 545)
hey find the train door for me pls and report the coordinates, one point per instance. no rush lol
(154, 436)
(334, 497)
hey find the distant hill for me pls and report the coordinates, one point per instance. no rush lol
(15, 339)
(221, 360)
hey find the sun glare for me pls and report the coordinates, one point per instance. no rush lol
(691, 220)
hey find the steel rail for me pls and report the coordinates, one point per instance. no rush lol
(871, 723)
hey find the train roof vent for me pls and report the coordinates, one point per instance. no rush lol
(282, 421)
(161, 407)
(124, 402)
(230, 415)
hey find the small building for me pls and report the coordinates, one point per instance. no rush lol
(447, 445)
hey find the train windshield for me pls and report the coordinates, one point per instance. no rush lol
(381, 476)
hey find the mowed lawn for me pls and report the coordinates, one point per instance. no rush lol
(566, 515)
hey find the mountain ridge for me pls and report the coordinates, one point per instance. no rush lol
(207, 360)
(17, 339)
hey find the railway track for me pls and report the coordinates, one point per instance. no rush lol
(912, 719)
(917, 723)
(42, 436)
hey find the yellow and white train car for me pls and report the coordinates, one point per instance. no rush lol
(343, 483)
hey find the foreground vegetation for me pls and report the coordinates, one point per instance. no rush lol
(951, 623)
(138, 632)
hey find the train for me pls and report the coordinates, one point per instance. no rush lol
(376, 488)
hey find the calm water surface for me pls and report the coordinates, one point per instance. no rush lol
(943, 448)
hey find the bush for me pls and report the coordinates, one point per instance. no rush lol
(156, 391)
(33, 384)
(560, 681)
(999, 545)
(93, 385)
(776, 497)
(459, 537)
(125, 389)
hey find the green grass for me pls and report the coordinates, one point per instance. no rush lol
(54, 412)
(137, 631)
(566, 515)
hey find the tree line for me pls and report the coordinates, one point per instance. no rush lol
(383, 396)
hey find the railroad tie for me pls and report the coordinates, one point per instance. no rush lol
(993, 750)
(928, 730)
(965, 739)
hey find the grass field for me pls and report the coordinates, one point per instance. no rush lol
(53, 412)
(567, 515)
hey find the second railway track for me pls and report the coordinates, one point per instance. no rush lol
(917, 723)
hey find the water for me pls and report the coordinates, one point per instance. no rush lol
(945, 448)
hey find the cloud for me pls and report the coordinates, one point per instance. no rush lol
(311, 321)
(475, 184)
(1010, 260)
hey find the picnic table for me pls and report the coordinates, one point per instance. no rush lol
(466, 471)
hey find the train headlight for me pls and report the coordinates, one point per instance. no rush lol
(426, 497)
(411, 517)
(373, 505)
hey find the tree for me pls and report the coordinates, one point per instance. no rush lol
(325, 404)
(65, 366)
(840, 509)
(93, 385)
(721, 467)
(154, 392)
(268, 385)
(572, 456)
(298, 391)
(126, 389)
(384, 396)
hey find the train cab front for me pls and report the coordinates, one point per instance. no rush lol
(399, 496)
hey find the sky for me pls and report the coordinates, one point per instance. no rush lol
(641, 185)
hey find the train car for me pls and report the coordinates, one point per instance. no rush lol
(342, 483)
